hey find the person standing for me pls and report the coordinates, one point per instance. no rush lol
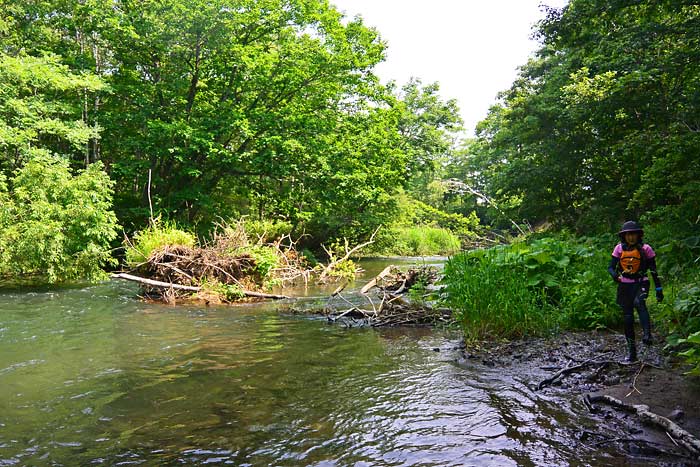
(632, 260)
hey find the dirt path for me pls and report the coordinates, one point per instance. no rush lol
(598, 362)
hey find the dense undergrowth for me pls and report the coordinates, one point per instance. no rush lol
(529, 287)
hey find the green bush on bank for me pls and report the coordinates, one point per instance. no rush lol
(676, 240)
(423, 230)
(421, 240)
(682, 321)
(55, 224)
(532, 287)
(425, 241)
(266, 230)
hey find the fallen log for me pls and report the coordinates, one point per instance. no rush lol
(334, 262)
(678, 434)
(376, 279)
(190, 288)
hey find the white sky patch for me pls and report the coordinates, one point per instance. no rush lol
(471, 47)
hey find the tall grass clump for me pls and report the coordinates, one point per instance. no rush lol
(489, 299)
(417, 241)
(155, 236)
(532, 287)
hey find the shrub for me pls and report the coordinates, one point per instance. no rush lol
(532, 287)
(692, 355)
(266, 260)
(55, 224)
(265, 231)
(681, 314)
(418, 241)
(156, 235)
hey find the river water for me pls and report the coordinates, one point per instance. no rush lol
(93, 375)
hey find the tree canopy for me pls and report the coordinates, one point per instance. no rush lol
(602, 124)
(262, 108)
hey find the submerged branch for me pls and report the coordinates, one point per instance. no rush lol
(189, 288)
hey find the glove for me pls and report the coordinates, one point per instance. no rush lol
(659, 294)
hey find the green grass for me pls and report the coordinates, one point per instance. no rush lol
(532, 288)
(418, 241)
(156, 236)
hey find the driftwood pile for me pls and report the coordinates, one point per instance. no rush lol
(189, 266)
(390, 306)
(228, 268)
(175, 273)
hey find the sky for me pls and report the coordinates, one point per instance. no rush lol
(471, 47)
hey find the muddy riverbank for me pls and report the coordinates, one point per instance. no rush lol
(657, 381)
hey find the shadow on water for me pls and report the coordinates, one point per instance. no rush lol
(92, 375)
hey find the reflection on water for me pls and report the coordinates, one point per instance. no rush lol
(92, 375)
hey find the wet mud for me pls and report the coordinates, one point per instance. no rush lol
(656, 380)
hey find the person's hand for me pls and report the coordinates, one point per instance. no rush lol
(659, 295)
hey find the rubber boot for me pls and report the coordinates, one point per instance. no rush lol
(631, 351)
(646, 325)
(647, 340)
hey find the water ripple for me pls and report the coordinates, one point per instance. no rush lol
(89, 376)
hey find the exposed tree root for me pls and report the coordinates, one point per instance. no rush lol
(571, 369)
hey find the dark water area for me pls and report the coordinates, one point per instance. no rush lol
(93, 375)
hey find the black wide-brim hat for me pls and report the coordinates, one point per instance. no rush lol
(631, 226)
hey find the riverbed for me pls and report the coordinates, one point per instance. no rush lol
(94, 375)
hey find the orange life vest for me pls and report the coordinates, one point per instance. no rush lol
(631, 261)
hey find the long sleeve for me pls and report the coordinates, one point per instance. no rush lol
(612, 268)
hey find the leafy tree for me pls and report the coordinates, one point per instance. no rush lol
(599, 126)
(55, 224)
(38, 115)
(268, 109)
(429, 127)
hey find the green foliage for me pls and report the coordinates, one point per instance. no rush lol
(56, 224)
(225, 292)
(38, 117)
(424, 214)
(269, 110)
(428, 126)
(309, 257)
(693, 353)
(421, 230)
(532, 287)
(598, 127)
(422, 241)
(681, 317)
(157, 235)
(266, 260)
(491, 300)
(343, 270)
(266, 231)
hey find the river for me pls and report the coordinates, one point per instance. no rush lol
(93, 375)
